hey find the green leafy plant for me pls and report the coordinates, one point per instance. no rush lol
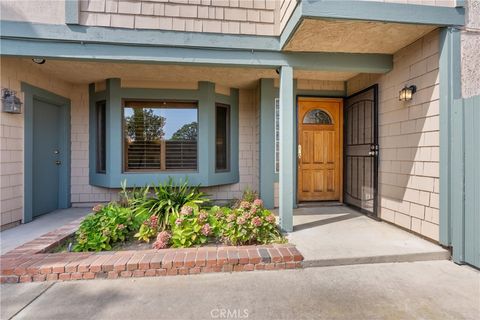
(249, 195)
(191, 226)
(249, 223)
(148, 229)
(108, 224)
(161, 201)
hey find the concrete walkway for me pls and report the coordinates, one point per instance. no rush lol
(419, 290)
(14, 237)
(338, 235)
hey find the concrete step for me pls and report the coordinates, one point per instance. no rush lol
(409, 257)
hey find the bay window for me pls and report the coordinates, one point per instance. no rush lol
(160, 136)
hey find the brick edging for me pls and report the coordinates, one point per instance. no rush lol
(29, 262)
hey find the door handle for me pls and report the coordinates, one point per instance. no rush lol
(299, 151)
(58, 162)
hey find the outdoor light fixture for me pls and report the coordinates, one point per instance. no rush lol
(39, 60)
(10, 102)
(406, 93)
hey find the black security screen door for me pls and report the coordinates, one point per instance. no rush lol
(361, 150)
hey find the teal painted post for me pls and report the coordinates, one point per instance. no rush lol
(472, 180)
(267, 142)
(114, 129)
(206, 131)
(450, 90)
(286, 151)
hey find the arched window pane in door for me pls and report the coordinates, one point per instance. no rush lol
(317, 116)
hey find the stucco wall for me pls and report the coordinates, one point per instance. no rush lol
(39, 11)
(409, 137)
(220, 16)
(470, 38)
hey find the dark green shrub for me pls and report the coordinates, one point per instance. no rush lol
(108, 224)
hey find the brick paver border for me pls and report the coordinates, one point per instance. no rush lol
(31, 262)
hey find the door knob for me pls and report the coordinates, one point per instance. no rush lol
(58, 162)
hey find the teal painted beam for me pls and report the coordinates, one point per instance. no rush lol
(72, 10)
(286, 175)
(267, 142)
(384, 12)
(352, 62)
(86, 34)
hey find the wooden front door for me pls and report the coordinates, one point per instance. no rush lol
(319, 148)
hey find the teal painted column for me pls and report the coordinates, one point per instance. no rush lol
(286, 151)
(267, 142)
(450, 187)
(114, 129)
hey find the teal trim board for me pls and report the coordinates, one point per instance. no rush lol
(384, 12)
(286, 183)
(205, 95)
(31, 95)
(351, 62)
(72, 11)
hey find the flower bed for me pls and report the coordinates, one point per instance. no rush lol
(177, 216)
(30, 262)
(244, 237)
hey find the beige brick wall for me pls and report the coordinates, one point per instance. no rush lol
(409, 137)
(256, 17)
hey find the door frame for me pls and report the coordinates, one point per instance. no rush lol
(300, 98)
(32, 93)
(375, 214)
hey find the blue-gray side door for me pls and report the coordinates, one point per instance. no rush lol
(46, 157)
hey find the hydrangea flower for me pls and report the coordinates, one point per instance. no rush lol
(241, 220)
(162, 240)
(121, 226)
(253, 210)
(244, 205)
(203, 216)
(206, 229)
(97, 208)
(247, 215)
(231, 217)
(186, 210)
(178, 221)
(258, 202)
(270, 218)
(257, 222)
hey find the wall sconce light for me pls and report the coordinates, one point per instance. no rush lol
(10, 102)
(406, 93)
